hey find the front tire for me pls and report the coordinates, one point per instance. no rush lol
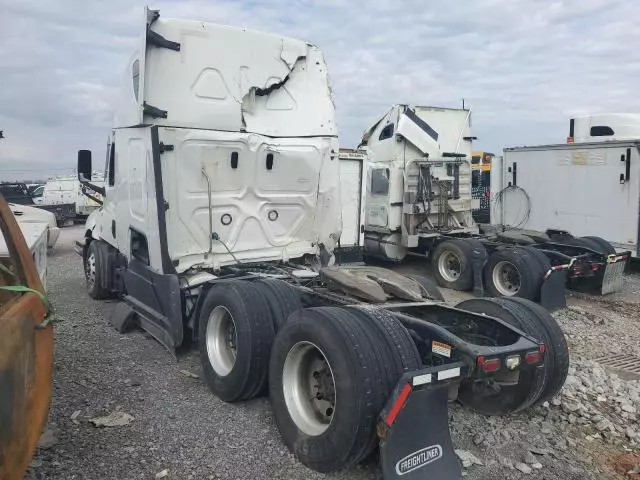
(98, 271)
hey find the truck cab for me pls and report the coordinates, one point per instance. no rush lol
(212, 163)
(419, 178)
(604, 127)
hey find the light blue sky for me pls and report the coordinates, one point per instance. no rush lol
(524, 66)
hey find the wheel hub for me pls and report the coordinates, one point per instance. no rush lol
(309, 388)
(506, 278)
(449, 266)
(221, 341)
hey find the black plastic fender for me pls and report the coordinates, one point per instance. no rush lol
(415, 442)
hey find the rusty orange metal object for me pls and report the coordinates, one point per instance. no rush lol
(26, 355)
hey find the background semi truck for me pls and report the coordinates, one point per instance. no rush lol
(221, 223)
(419, 201)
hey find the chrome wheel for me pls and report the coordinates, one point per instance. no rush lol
(506, 278)
(449, 266)
(90, 270)
(309, 388)
(221, 341)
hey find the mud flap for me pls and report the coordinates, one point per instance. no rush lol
(122, 317)
(612, 280)
(553, 292)
(478, 262)
(414, 427)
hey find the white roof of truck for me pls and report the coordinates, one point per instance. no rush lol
(209, 76)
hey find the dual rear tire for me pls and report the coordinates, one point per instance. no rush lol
(508, 272)
(330, 370)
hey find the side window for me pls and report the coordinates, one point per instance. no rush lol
(387, 132)
(380, 181)
(601, 131)
(475, 160)
(112, 165)
(135, 77)
(139, 247)
(449, 169)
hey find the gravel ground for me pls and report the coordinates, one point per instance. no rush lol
(180, 427)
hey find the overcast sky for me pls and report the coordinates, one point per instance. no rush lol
(524, 66)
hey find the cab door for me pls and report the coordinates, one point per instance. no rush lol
(152, 286)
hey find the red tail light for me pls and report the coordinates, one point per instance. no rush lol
(533, 357)
(542, 348)
(489, 365)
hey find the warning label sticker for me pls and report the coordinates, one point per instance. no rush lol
(441, 349)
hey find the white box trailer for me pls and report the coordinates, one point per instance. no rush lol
(583, 188)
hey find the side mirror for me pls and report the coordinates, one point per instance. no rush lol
(84, 165)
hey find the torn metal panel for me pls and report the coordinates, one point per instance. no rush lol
(298, 105)
(228, 78)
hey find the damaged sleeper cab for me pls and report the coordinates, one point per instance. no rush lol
(220, 219)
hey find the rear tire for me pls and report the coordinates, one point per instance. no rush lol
(397, 353)
(452, 263)
(429, 286)
(235, 333)
(535, 385)
(513, 272)
(283, 300)
(98, 271)
(320, 355)
(602, 245)
(557, 351)
(492, 399)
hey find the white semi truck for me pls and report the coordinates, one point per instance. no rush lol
(418, 201)
(221, 223)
